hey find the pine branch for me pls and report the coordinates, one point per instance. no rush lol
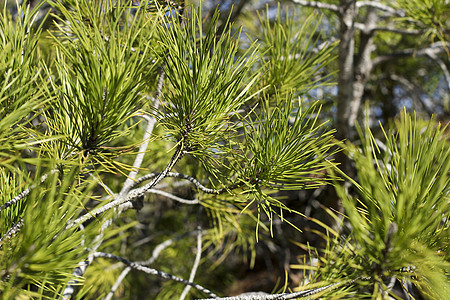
(17, 198)
(123, 203)
(284, 296)
(382, 7)
(146, 139)
(392, 29)
(132, 195)
(173, 197)
(442, 65)
(435, 48)
(12, 231)
(316, 4)
(152, 271)
(23, 194)
(359, 4)
(198, 255)
(192, 180)
(158, 249)
(106, 38)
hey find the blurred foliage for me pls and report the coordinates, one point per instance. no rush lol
(395, 230)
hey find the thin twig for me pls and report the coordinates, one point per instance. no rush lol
(198, 255)
(179, 152)
(286, 296)
(158, 249)
(335, 8)
(192, 180)
(78, 272)
(117, 283)
(12, 231)
(441, 64)
(317, 4)
(152, 271)
(25, 193)
(392, 29)
(17, 198)
(433, 49)
(81, 269)
(382, 7)
(146, 139)
(173, 197)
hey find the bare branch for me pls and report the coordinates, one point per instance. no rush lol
(78, 272)
(12, 231)
(146, 139)
(194, 181)
(284, 296)
(152, 271)
(433, 49)
(123, 203)
(316, 4)
(202, 187)
(414, 91)
(117, 283)
(179, 153)
(382, 7)
(335, 8)
(17, 198)
(23, 194)
(198, 256)
(442, 65)
(158, 249)
(173, 197)
(392, 29)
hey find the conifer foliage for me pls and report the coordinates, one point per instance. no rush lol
(109, 110)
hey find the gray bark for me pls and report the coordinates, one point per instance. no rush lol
(346, 66)
(363, 67)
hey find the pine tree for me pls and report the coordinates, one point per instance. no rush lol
(140, 145)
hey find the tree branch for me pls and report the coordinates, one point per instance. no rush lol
(382, 7)
(122, 206)
(158, 273)
(284, 296)
(192, 180)
(414, 91)
(433, 49)
(442, 65)
(198, 255)
(12, 231)
(173, 197)
(117, 283)
(123, 203)
(23, 194)
(158, 249)
(179, 153)
(146, 139)
(17, 198)
(392, 29)
(316, 4)
(359, 4)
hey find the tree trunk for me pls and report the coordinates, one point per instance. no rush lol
(346, 49)
(363, 67)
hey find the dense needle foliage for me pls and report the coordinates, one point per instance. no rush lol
(142, 139)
